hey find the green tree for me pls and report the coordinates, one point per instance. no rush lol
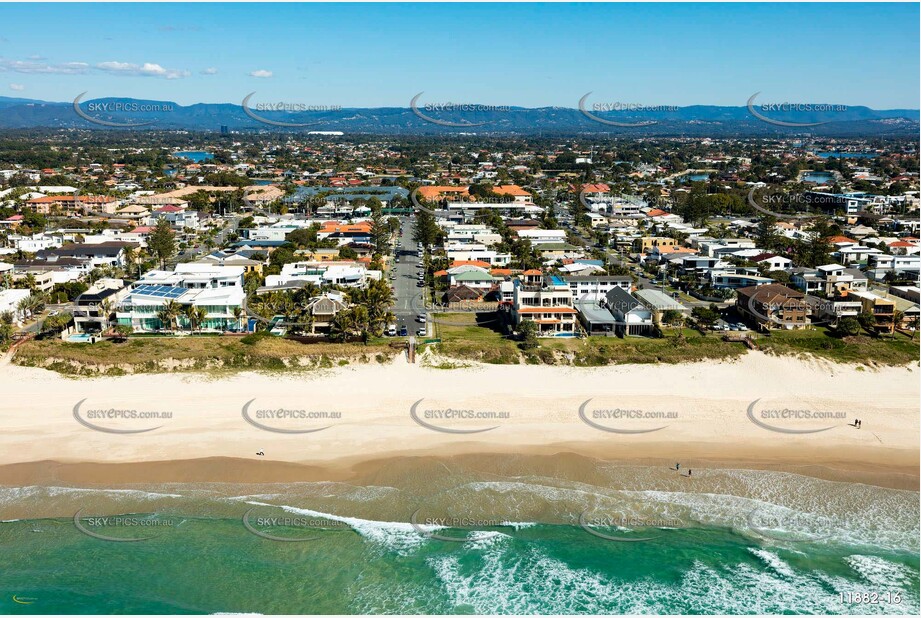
(705, 316)
(527, 331)
(867, 321)
(848, 326)
(426, 230)
(56, 323)
(7, 330)
(162, 242)
(671, 317)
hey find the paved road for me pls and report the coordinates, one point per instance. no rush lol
(232, 225)
(36, 325)
(192, 253)
(408, 296)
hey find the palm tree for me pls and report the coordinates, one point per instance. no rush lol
(24, 307)
(169, 313)
(131, 257)
(105, 311)
(237, 315)
(913, 324)
(199, 315)
(195, 315)
(376, 300)
(188, 312)
(344, 324)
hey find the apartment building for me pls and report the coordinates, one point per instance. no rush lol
(549, 304)
(474, 252)
(882, 309)
(591, 287)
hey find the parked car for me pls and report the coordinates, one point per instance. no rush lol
(403, 331)
(420, 318)
(421, 332)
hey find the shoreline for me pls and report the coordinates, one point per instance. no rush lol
(699, 419)
(239, 471)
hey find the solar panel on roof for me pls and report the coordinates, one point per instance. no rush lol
(160, 291)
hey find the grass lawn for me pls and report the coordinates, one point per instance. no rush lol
(464, 338)
(677, 346)
(473, 336)
(469, 337)
(895, 350)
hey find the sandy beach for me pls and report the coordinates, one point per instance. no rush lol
(760, 412)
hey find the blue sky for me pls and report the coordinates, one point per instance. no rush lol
(369, 55)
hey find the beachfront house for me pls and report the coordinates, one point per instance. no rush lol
(218, 290)
(94, 307)
(549, 304)
(773, 306)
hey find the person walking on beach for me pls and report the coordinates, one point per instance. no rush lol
(677, 466)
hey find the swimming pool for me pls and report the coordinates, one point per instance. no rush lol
(79, 338)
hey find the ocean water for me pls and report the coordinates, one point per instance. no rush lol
(734, 542)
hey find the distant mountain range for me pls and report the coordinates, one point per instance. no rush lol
(691, 121)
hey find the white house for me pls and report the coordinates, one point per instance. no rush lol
(9, 299)
(219, 289)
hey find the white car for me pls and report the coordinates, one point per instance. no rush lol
(421, 332)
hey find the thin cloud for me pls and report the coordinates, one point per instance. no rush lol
(32, 67)
(148, 69)
(17, 87)
(261, 73)
(209, 71)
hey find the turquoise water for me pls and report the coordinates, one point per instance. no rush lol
(691, 552)
(197, 156)
(818, 177)
(848, 155)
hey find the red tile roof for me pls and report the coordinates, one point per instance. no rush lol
(434, 192)
(510, 190)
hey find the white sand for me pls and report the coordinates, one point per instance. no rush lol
(37, 421)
